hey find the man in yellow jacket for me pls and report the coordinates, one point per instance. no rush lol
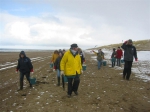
(71, 67)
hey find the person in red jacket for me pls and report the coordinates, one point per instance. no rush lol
(119, 55)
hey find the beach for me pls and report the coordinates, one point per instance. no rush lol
(101, 90)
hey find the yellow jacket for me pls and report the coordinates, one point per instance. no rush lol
(70, 64)
(54, 57)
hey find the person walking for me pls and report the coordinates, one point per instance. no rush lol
(57, 67)
(113, 57)
(54, 57)
(100, 57)
(25, 67)
(129, 53)
(81, 55)
(70, 66)
(118, 56)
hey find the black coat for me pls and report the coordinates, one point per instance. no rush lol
(24, 64)
(57, 63)
(129, 52)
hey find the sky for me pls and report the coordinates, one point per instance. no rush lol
(56, 24)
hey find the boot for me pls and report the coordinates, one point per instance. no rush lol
(58, 78)
(21, 86)
(30, 84)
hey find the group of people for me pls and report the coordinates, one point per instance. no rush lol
(116, 55)
(69, 63)
(129, 53)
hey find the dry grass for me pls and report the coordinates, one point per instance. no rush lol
(141, 45)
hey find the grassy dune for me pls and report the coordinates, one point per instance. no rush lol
(141, 45)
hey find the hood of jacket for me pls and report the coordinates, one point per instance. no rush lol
(23, 53)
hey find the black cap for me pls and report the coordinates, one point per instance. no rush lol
(74, 45)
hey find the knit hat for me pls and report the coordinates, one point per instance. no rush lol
(130, 41)
(74, 45)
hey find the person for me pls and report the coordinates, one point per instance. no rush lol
(63, 51)
(118, 56)
(25, 67)
(81, 55)
(129, 53)
(57, 67)
(70, 66)
(100, 57)
(54, 57)
(113, 57)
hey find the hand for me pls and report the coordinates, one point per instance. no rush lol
(81, 72)
(136, 59)
(62, 73)
(16, 70)
(31, 71)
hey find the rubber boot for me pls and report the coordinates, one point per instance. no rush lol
(30, 84)
(58, 78)
(21, 86)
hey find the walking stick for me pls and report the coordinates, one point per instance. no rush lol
(63, 82)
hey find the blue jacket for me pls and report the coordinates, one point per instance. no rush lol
(24, 64)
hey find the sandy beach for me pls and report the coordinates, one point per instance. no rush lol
(101, 90)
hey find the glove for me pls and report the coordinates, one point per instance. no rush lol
(136, 59)
(54, 70)
(62, 73)
(31, 71)
(81, 72)
(16, 70)
(126, 42)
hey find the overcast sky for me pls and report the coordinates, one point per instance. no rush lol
(56, 24)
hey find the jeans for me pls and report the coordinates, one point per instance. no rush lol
(118, 62)
(58, 73)
(22, 76)
(127, 69)
(99, 63)
(113, 62)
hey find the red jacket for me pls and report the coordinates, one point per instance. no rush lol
(119, 53)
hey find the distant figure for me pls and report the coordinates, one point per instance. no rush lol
(54, 57)
(81, 55)
(63, 51)
(70, 66)
(113, 57)
(129, 53)
(57, 67)
(25, 67)
(100, 57)
(118, 56)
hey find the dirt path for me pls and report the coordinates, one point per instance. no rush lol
(100, 90)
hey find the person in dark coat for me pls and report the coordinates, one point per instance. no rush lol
(25, 67)
(113, 57)
(129, 53)
(100, 57)
(118, 56)
(81, 55)
(57, 67)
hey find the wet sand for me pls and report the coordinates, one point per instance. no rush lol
(101, 90)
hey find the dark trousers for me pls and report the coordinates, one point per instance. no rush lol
(22, 77)
(127, 69)
(118, 61)
(73, 84)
